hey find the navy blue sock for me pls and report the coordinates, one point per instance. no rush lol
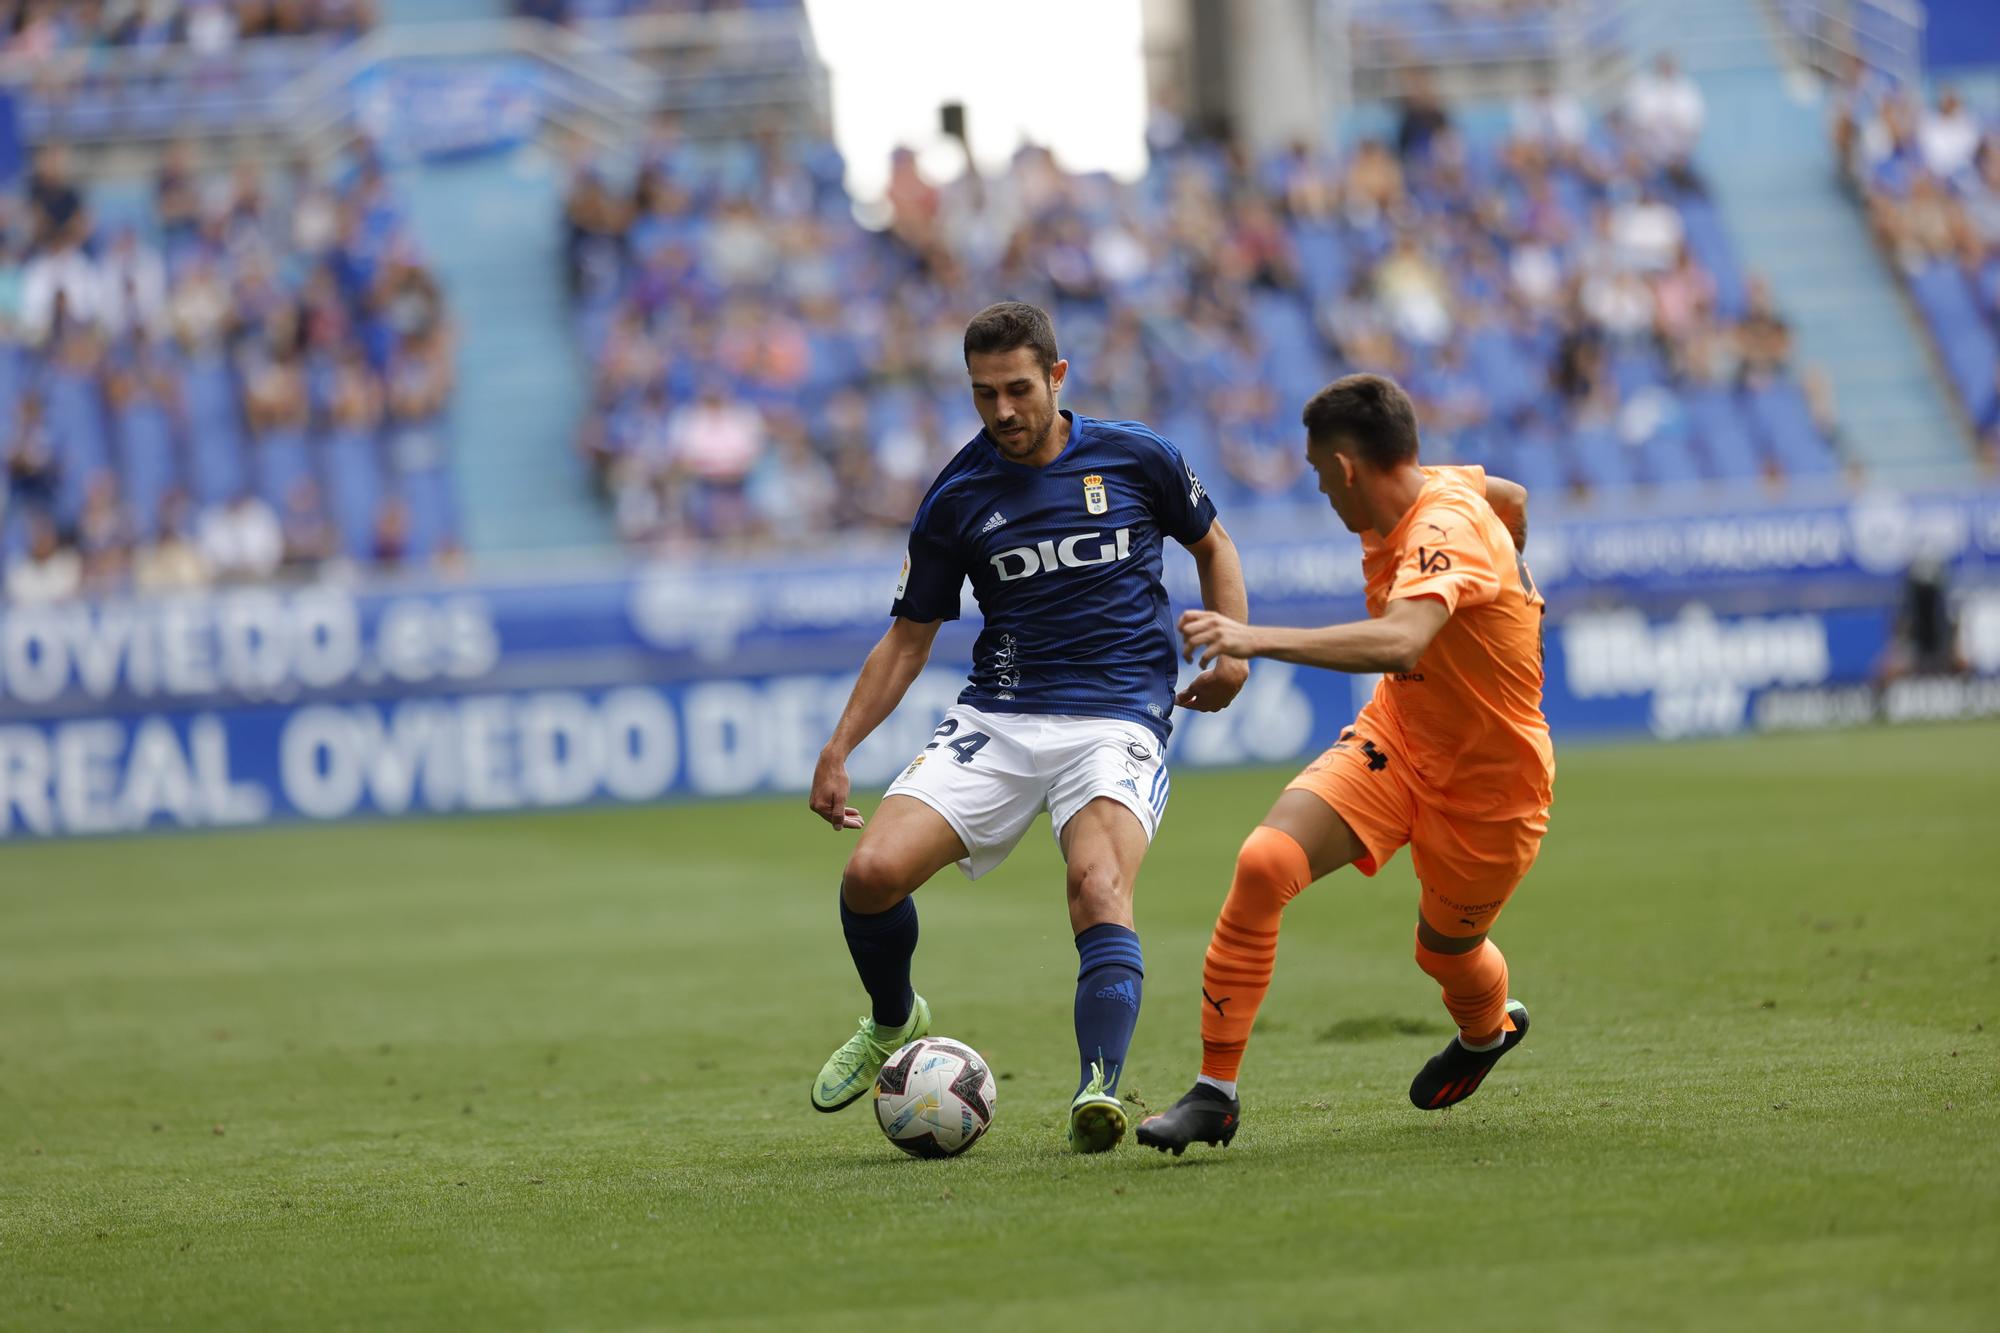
(1110, 975)
(881, 943)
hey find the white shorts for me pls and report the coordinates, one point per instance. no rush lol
(990, 774)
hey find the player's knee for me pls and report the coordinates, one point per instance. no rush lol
(1272, 864)
(875, 881)
(1097, 892)
(1442, 956)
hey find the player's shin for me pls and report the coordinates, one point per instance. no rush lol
(881, 944)
(1475, 990)
(1270, 870)
(1110, 980)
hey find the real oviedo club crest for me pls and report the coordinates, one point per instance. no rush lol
(1093, 494)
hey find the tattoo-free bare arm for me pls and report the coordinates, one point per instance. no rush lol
(893, 664)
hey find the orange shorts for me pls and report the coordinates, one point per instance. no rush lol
(1468, 868)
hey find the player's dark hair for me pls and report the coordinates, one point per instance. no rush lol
(1009, 324)
(1370, 410)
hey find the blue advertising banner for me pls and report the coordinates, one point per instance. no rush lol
(449, 109)
(452, 750)
(323, 702)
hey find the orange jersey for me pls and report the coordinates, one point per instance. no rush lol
(1468, 720)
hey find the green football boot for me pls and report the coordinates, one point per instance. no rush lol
(850, 1071)
(1096, 1117)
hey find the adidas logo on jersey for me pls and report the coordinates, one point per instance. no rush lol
(994, 522)
(1020, 562)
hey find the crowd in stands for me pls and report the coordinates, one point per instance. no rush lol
(33, 29)
(1929, 175)
(583, 11)
(1561, 301)
(248, 380)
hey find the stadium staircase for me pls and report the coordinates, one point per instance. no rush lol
(1770, 167)
(493, 228)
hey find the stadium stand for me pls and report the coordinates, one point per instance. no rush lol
(249, 379)
(105, 71)
(1928, 174)
(1561, 297)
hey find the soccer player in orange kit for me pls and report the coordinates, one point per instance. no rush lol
(1451, 755)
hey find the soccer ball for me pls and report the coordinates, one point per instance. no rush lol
(935, 1097)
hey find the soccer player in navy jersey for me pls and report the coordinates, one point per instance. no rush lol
(1060, 521)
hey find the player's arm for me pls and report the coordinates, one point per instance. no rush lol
(892, 665)
(1510, 501)
(1222, 591)
(1391, 642)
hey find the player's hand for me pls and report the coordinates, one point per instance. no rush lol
(829, 793)
(1214, 635)
(1215, 689)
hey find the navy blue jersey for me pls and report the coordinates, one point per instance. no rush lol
(1065, 564)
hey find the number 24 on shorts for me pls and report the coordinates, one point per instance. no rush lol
(965, 746)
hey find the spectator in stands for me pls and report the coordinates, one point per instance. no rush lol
(1374, 185)
(1980, 204)
(1948, 136)
(170, 562)
(103, 533)
(60, 289)
(33, 466)
(132, 281)
(1550, 119)
(47, 571)
(310, 537)
(1924, 225)
(177, 194)
(793, 493)
(1420, 118)
(1683, 297)
(1414, 292)
(717, 443)
(1764, 338)
(390, 546)
(1647, 230)
(597, 220)
(241, 540)
(1666, 112)
(56, 212)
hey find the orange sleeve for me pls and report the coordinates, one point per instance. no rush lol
(1444, 555)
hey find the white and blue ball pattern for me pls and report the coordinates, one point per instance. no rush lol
(935, 1097)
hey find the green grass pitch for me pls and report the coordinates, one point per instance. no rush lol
(551, 1071)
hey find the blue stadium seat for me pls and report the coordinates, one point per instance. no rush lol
(1795, 442)
(149, 464)
(433, 517)
(1720, 426)
(282, 462)
(217, 468)
(1601, 459)
(354, 486)
(1964, 338)
(75, 414)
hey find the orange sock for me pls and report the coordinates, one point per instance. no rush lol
(1475, 989)
(1270, 871)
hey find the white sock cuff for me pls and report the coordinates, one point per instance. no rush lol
(1227, 1087)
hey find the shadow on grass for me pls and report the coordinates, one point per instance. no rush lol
(1379, 1027)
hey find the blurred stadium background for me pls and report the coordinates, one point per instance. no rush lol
(431, 406)
(424, 407)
